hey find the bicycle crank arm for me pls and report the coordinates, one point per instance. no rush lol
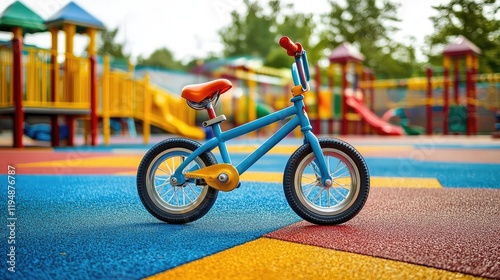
(222, 176)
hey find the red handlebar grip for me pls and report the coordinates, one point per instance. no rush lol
(290, 47)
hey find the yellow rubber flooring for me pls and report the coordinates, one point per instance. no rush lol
(266, 258)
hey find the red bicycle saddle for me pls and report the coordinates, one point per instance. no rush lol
(199, 92)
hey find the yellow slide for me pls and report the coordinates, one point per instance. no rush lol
(162, 117)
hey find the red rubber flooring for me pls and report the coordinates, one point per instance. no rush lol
(431, 227)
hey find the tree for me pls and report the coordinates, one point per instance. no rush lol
(256, 32)
(108, 46)
(367, 25)
(162, 58)
(474, 19)
(250, 33)
(300, 28)
(361, 22)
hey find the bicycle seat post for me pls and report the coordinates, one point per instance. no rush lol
(211, 111)
(214, 122)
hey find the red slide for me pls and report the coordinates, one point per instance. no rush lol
(380, 126)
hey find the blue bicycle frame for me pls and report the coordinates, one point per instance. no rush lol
(300, 118)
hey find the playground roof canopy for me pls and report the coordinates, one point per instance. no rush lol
(461, 46)
(346, 52)
(74, 14)
(18, 15)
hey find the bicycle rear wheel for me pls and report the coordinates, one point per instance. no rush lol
(320, 204)
(180, 203)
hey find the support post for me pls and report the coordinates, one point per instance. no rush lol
(54, 87)
(429, 102)
(471, 96)
(475, 66)
(17, 50)
(105, 101)
(331, 84)
(360, 84)
(69, 30)
(93, 86)
(456, 80)
(343, 109)
(372, 91)
(446, 95)
(146, 130)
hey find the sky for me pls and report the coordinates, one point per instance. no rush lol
(189, 28)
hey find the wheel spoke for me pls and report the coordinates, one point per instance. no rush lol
(170, 171)
(328, 198)
(317, 196)
(310, 178)
(160, 177)
(336, 168)
(193, 190)
(315, 169)
(347, 173)
(169, 190)
(160, 187)
(187, 196)
(342, 195)
(159, 168)
(330, 195)
(345, 186)
(177, 196)
(310, 188)
(173, 194)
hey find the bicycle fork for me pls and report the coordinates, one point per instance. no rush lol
(309, 137)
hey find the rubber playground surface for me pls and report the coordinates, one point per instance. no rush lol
(433, 213)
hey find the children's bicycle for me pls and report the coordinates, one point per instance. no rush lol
(326, 181)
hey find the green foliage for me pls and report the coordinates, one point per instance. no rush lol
(109, 46)
(162, 58)
(474, 19)
(159, 58)
(300, 28)
(250, 33)
(256, 32)
(367, 25)
(361, 22)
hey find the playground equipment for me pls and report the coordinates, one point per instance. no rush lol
(347, 56)
(381, 127)
(40, 87)
(461, 48)
(326, 181)
(124, 96)
(404, 121)
(76, 90)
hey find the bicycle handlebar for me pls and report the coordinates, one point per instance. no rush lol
(300, 69)
(291, 48)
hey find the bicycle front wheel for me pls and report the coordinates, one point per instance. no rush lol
(175, 204)
(327, 205)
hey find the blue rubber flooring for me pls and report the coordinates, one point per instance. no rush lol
(95, 227)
